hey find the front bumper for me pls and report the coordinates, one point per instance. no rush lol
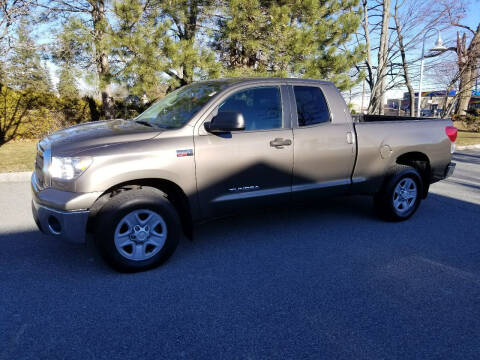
(67, 225)
(60, 213)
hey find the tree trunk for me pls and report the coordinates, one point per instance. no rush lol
(101, 57)
(378, 94)
(468, 59)
(465, 91)
(190, 32)
(368, 61)
(406, 76)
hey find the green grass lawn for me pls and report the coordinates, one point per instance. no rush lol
(17, 156)
(20, 155)
(468, 138)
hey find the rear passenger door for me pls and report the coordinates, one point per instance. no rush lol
(324, 149)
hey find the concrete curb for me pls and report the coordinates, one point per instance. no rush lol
(15, 176)
(468, 147)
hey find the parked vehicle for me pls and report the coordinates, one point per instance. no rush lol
(217, 147)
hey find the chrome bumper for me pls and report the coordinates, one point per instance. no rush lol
(60, 213)
(68, 225)
(450, 169)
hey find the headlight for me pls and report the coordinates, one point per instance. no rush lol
(68, 168)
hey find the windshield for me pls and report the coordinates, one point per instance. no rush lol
(178, 107)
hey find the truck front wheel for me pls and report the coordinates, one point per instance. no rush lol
(137, 229)
(401, 194)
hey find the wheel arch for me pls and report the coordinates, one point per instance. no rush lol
(175, 195)
(419, 161)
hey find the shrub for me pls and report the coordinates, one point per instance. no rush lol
(471, 120)
(130, 107)
(75, 110)
(38, 123)
(30, 114)
(15, 111)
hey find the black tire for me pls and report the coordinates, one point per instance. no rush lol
(120, 206)
(384, 200)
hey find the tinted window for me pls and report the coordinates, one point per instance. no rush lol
(311, 105)
(261, 107)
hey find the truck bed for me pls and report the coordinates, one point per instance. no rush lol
(362, 118)
(382, 138)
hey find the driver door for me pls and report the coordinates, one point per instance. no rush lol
(246, 169)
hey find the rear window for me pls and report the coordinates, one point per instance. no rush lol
(311, 105)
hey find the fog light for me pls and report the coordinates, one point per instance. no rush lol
(54, 225)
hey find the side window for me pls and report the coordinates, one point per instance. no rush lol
(261, 107)
(311, 105)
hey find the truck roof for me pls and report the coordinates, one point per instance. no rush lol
(242, 80)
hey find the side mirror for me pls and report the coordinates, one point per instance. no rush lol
(226, 121)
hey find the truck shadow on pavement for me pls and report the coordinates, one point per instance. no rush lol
(443, 228)
(326, 222)
(325, 278)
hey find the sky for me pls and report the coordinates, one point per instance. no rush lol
(434, 77)
(429, 83)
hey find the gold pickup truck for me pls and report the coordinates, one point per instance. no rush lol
(222, 146)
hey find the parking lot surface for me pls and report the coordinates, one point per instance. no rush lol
(325, 280)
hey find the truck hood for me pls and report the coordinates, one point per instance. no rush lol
(75, 139)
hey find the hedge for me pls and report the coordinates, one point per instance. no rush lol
(32, 115)
(471, 120)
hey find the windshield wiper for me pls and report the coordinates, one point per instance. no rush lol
(143, 122)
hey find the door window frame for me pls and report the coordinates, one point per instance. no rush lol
(293, 102)
(213, 109)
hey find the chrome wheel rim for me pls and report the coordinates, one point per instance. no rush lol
(140, 234)
(405, 195)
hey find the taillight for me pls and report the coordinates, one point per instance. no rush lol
(451, 132)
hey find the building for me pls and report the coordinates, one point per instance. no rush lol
(433, 102)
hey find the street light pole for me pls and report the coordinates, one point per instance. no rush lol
(438, 47)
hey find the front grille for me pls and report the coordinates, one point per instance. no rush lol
(39, 167)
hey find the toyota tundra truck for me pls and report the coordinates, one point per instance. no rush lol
(222, 146)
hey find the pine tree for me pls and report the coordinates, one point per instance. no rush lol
(88, 28)
(136, 43)
(187, 56)
(26, 70)
(305, 38)
(67, 53)
(67, 82)
(158, 42)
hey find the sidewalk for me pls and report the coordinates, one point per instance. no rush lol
(15, 176)
(468, 147)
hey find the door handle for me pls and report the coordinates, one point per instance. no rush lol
(350, 138)
(279, 143)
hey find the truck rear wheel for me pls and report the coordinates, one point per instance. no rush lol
(138, 229)
(401, 194)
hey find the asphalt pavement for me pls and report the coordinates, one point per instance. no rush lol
(329, 281)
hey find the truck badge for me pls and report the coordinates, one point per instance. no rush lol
(186, 152)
